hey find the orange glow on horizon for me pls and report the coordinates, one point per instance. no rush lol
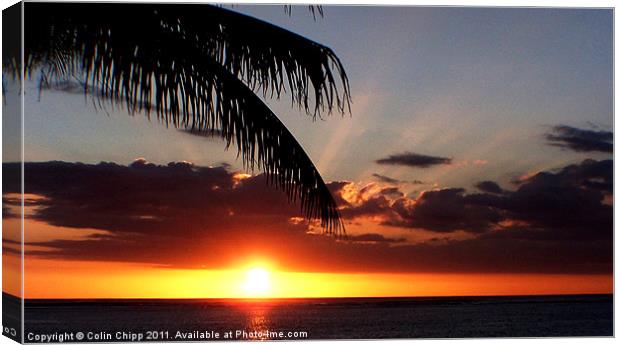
(65, 279)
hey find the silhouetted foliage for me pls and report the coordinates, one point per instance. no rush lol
(201, 68)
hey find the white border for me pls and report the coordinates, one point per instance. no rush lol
(473, 3)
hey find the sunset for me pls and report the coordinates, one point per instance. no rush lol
(336, 170)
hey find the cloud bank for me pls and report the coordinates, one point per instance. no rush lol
(182, 215)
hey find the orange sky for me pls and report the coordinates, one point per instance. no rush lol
(58, 278)
(66, 279)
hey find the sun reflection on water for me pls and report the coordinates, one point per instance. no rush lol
(258, 322)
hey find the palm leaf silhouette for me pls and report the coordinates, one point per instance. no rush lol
(202, 68)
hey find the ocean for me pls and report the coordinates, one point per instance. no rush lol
(322, 318)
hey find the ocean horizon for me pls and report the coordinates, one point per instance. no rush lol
(108, 320)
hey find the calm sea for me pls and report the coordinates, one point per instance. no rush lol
(335, 318)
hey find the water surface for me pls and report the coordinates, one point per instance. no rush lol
(333, 318)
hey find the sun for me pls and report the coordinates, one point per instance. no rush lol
(257, 282)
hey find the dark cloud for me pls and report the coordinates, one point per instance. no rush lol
(376, 205)
(581, 140)
(411, 159)
(6, 212)
(183, 215)
(10, 241)
(445, 210)
(11, 250)
(387, 179)
(312, 253)
(375, 238)
(146, 198)
(569, 203)
(589, 174)
(366, 202)
(489, 187)
(10, 246)
(392, 192)
(337, 189)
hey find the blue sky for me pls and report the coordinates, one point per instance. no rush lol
(480, 86)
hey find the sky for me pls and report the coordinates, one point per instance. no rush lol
(476, 160)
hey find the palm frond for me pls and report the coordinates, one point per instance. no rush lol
(315, 10)
(267, 58)
(198, 67)
(11, 44)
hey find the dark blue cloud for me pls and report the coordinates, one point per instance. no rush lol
(415, 160)
(489, 187)
(581, 140)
